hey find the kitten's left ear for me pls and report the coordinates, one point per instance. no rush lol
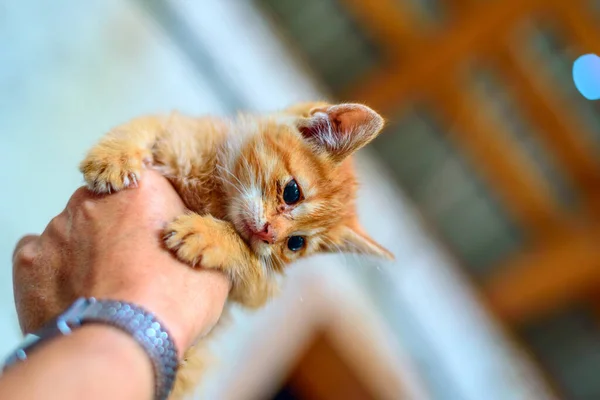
(340, 130)
(351, 238)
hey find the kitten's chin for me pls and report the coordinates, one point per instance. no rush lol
(259, 247)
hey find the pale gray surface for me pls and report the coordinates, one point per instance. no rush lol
(68, 73)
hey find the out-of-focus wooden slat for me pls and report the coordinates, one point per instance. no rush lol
(561, 271)
(456, 8)
(503, 164)
(392, 22)
(322, 374)
(582, 28)
(563, 134)
(437, 57)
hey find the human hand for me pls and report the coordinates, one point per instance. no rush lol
(111, 247)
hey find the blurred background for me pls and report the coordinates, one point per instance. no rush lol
(484, 184)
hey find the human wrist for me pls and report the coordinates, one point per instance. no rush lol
(92, 356)
(112, 346)
(187, 312)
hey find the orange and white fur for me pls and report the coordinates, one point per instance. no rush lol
(263, 190)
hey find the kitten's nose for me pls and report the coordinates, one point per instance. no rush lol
(266, 234)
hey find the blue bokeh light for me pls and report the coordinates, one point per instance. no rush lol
(586, 74)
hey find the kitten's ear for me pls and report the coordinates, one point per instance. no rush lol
(340, 130)
(351, 238)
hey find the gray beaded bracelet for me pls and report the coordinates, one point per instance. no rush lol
(147, 331)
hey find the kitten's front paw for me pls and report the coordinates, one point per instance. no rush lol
(193, 239)
(107, 171)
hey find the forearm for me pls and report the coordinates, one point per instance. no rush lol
(95, 362)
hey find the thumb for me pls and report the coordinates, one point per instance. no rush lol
(26, 249)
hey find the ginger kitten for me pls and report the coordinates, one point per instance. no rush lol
(263, 190)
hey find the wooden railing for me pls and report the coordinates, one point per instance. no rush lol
(562, 264)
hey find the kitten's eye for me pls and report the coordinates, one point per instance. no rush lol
(295, 243)
(291, 193)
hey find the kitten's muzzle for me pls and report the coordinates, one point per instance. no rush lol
(266, 234)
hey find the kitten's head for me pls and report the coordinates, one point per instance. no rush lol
(291, 187)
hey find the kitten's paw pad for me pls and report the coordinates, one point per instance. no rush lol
(106, 173)
(191, 238)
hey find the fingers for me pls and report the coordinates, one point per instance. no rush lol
(151, 205)
(150, 182)
(80, 196)
(157, 197)
(33, 281)
(26, 249)
(153, 184)
(23, 261)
